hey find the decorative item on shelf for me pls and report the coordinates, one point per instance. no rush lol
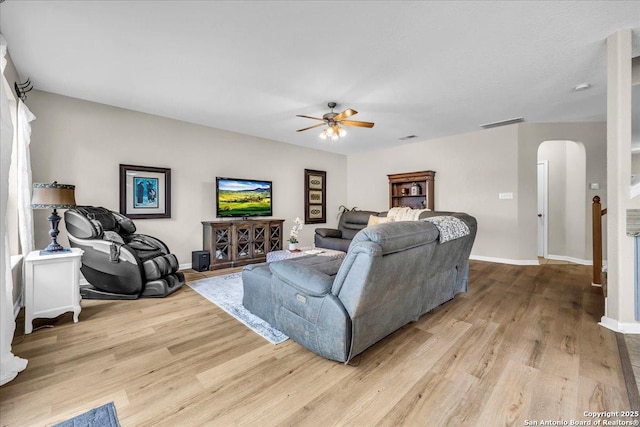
(293, 236)
(53, 196)
(416, 190)
(404, 191)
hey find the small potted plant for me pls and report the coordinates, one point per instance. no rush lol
(293, 236)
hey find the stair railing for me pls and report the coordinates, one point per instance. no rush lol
(597, 213)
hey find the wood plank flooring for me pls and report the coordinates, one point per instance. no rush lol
(522, 344)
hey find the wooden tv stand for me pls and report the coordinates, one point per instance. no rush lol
(241, 242)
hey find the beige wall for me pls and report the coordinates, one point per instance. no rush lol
(82, 143)
(472, 169)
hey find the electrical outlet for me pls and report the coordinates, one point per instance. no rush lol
(505, 196)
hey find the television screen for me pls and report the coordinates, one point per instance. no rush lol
(243, 197)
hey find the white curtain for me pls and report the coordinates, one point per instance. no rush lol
(25, 214)
(10, 365)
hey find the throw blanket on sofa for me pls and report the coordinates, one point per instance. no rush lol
(404, 214)
(450, 227)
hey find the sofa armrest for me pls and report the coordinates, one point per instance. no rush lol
(328, 232)
(305, 279)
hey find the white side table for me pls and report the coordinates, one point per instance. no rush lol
(52, 286)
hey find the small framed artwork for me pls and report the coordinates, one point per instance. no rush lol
(315, 196)
(145, 192)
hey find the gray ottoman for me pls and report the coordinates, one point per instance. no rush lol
(256, 283)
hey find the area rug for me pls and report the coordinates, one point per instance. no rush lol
(226, 292)
(102, 416)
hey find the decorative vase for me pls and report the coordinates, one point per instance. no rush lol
(292, 246)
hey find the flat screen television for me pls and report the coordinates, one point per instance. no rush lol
(243, 197)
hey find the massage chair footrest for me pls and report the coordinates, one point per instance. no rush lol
(164, 286)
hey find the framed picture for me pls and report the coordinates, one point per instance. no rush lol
(145, 192)
(315, 196)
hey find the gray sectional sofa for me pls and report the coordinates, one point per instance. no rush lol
(392, 274)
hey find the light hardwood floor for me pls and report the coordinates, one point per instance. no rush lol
(522, 344)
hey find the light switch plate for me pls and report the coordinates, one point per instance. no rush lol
(505, 196)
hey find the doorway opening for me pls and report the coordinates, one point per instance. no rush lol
(562, 202)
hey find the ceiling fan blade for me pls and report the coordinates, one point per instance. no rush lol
(346, 113)
(310, 127)
(357, 123)
(336, 129)
(308, 117)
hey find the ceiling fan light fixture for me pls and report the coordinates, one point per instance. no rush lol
(334, 122)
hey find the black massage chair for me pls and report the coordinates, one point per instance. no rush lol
(117, 263)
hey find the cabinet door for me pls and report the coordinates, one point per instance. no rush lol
(275, 237)
(244, 234)
(221, 244)
(259, 246)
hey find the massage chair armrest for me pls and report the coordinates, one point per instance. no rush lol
(305, 279)
(125, 253)
(329, 232)
(141, 241)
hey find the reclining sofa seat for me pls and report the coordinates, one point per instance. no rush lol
(117, 262)
(393, 273)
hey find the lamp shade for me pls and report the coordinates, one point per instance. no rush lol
(53, 195)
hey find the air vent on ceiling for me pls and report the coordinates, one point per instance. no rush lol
(404, 138)
(502, 123)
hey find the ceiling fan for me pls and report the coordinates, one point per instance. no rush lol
(333, 122)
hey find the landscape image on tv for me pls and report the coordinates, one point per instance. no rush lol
(239, 197)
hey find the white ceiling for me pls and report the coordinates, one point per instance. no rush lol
(425, 68)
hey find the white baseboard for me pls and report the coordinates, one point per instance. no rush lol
(505, 260)
(622, 327)
(570, 259)
(184, 266)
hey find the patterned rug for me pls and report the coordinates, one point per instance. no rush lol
(102, 416)
(226, 292)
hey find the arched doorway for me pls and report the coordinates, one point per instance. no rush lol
(562, 201)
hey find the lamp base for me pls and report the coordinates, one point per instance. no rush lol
(54, 247)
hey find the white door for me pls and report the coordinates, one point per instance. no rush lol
(543, 179)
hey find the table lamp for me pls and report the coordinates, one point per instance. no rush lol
(53, 196)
